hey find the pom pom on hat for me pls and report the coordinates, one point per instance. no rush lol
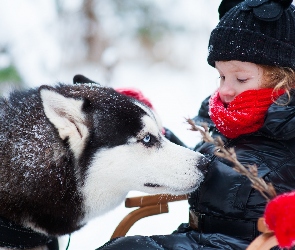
(226, 5)
(280, 217)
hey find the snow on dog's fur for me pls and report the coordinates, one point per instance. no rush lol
(70, 153)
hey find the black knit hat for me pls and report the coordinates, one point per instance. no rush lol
(257, 31)
(226, 5)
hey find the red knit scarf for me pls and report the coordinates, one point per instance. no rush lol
(245, 114)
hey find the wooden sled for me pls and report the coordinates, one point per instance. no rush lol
(157, 204)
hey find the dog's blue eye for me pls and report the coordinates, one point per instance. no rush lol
(146, 139)
(149, 140)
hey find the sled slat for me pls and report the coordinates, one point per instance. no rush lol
(262, 227)
(136, 215)
(266, 240)
(149, 200)
(263, 242)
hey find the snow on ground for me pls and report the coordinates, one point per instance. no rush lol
(175, 93)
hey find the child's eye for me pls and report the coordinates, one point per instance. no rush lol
(242, 80)
(222, 78)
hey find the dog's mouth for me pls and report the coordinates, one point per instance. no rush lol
(152, 185)
(175, 191)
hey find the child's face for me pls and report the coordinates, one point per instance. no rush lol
(236, 77)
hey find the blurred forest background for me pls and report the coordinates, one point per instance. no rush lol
(41, 39)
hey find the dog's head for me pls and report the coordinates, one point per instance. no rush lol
(118, 145)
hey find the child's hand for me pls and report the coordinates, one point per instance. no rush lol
(280, 217)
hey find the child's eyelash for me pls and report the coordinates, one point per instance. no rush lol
(242, 80)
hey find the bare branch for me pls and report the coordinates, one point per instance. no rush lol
(250, 171)
(203, 129)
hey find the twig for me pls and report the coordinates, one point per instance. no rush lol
(250, 171)
(204, 130)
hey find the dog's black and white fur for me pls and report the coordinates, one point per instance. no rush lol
(70, 153)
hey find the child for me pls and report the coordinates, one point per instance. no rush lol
(253, 111)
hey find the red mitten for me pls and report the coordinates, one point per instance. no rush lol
(280, 217)
(135, 93)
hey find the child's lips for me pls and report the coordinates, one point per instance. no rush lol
(225, 104)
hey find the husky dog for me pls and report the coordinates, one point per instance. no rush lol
(70, 153)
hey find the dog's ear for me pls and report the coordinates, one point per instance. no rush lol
(80, 79)
(67, 116)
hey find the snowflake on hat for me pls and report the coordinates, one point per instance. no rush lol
(280, 217)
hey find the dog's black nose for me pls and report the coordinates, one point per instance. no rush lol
(202, 164)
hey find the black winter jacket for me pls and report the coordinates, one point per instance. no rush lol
(228, 205)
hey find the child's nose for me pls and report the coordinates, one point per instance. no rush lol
(226, 89)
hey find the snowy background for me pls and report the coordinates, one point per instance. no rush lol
(157, 46)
